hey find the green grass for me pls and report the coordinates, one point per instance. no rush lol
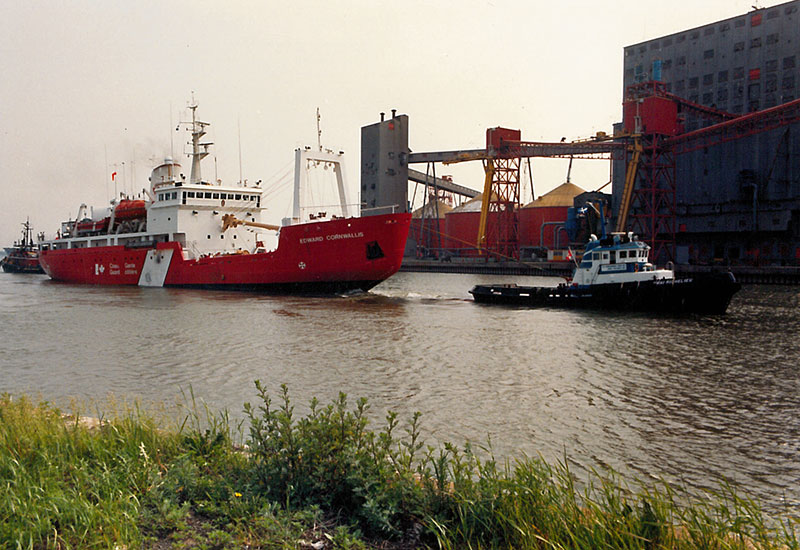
(326, 479)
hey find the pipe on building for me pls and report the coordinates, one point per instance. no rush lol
(559, 225)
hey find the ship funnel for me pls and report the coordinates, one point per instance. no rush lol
(165, 173)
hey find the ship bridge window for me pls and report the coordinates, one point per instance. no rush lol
(596, 256)
(215, 196)
(223, 196)
(623, 254)
(190, 194)
(208, 195)
(238, 197)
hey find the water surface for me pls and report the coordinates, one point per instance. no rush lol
(690, 399)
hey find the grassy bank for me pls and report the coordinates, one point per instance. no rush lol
(325, 480)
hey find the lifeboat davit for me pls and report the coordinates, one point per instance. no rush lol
(128, 209)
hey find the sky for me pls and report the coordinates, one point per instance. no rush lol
(88, 88)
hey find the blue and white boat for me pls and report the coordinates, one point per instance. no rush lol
(615, 273)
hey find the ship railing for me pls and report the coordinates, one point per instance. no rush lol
(393, 207)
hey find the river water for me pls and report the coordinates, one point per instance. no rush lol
(692, 400)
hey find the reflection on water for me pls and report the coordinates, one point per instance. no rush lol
(690, 399)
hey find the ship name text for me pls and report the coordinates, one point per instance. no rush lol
(334, 237)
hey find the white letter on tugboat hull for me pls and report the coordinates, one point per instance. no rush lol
(156, 265)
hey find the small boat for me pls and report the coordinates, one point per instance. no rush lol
(615, 274)
(23, 257)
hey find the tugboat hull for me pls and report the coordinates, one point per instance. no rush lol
(706, 294)
(14, 264)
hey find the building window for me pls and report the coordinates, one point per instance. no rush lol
(772, 38)
(679, 86)
(667, 42)
(693, 82)
(772, 14)
(725, 27)
(693, 98)
(681, 60)
(753, 106)
(736, 109)
(788, 82)
(722, 94)
(788, 62)
(754, 74)
(708, 79)
(754, 91)
(654, 45)
(708, 54)
(738, 90)
(738, 73)
(739, 23)
(772, 65)
(738, 47)
(628, 52)
(770, 101)
(667, 64)
(695, 35)
(708, 98)
(708, 31)
(722, 76)
(755, 42)
(771, 84)
(681, 38)
(790, 10)
(755, 20)
(642, 49)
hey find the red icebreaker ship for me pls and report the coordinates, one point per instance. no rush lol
(197, 235)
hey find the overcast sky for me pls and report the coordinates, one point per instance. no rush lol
(86, 86)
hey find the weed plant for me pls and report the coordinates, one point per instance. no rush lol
(326, 480)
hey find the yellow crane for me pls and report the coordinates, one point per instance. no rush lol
(229, 220)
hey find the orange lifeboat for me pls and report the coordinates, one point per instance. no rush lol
(130, 210)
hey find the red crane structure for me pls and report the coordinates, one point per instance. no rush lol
(651, 138)
(498, 232)
(654, 132)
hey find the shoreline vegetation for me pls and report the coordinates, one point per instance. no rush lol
(325, 481)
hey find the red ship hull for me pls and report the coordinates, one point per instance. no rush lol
(330, 256)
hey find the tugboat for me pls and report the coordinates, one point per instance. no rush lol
(23, 257)
(615, 274)
(195, 234)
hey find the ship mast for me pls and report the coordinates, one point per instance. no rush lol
(198, 131)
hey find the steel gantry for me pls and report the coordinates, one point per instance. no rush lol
(498, 231)
(652, 122)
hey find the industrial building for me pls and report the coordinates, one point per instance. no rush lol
(705, 162)
(737, 196)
